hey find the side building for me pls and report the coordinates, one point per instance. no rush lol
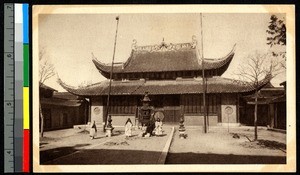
(172, 76)
(271, 107)
(61, 109)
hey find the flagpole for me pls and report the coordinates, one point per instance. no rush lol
(203, 79)
(110, 77)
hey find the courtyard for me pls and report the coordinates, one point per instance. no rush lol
(218, 146)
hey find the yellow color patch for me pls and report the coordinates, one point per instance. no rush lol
(25, 107)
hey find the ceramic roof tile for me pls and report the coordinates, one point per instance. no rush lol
(184, 86)
(180, 57)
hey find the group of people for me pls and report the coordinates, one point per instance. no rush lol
(147, 129)
(151, 121)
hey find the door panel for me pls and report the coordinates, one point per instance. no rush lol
(172, 114)
(47, 118)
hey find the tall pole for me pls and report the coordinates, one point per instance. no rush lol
(110, 77)
(203, 78)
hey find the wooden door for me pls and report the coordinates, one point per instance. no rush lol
(171, 107)
(47, 118)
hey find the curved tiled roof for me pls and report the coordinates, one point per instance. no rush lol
(43, 86)
(184, 86)
(60, 102)
(164, 58)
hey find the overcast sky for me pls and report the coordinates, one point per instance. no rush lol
(69, 39)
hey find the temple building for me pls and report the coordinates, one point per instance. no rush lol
(172, 76)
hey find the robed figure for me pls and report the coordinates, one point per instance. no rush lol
(93, 130)
(128, 128)
(158, 127)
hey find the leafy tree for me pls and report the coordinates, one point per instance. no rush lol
(277, 37)
(277, 31)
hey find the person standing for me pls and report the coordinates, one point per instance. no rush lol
(128, 128)
(93, 130)
(158, 127)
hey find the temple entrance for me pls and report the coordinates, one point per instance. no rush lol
(169, 105)
(172, 115)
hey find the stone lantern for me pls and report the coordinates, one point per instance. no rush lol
(146, 110)
(181, 129)
(109, 128)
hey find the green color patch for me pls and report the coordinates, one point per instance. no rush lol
(26, 64)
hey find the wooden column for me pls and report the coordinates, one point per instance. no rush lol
(219, 105)
(238, 109)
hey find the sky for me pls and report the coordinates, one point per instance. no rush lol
(69, 40)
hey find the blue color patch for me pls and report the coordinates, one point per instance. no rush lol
(25, 24)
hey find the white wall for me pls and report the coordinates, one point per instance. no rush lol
(229, 100)
(232, 117)
(97, 111)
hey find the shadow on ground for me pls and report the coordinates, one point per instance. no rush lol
(118, 132)
(113, 156)
(201, 158)
(271, 144)
(102, 156)
(52, 154)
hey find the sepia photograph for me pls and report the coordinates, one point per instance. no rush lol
(163, 88)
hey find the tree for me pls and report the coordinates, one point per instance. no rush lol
(46, 71)
(277, 37)
(258, 67)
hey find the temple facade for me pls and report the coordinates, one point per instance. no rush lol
(172, 76)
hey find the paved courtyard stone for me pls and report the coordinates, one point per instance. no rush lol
(80, 149)
(219, 146)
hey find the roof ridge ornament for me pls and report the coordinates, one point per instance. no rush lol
(134, 45)
(164, 46)
(194, 41)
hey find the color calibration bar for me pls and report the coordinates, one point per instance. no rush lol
(26, 134)
(22, 133)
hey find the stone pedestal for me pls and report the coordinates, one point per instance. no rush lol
(108, 132)
(181, 129)
(109, 128)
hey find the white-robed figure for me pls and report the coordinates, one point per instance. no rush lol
(128, 128)
(93, 130)
(158, 127)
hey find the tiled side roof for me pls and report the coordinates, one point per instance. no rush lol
(268, 93)
(66, 95)
(183, 58)
(43, 86)
(102, 88)
(189, 86)
(60, 102)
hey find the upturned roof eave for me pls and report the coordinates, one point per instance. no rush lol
(139, 89)
(224, 62)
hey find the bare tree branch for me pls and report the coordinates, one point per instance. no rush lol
(46, 69)
(254, 71)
